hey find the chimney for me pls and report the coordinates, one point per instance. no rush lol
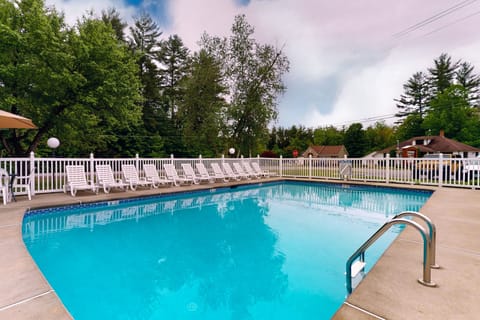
(442, 133)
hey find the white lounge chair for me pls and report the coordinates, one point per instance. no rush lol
(77, 180)
(107, 181)
(173, 176)
(203, 172)
(151, 174)
(250, 171)
(190, 174)
(130, 174)
(238, 170)
(260, 171)
(218, 172)
(229, 171)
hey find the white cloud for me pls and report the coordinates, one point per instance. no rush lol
(346, 65)
(73, 10)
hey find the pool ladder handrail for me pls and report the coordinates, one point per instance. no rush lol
(432, 233)
(427, 246)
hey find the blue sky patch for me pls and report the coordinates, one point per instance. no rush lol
(243, 2)
(157, 9)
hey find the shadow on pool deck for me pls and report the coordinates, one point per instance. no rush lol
(389, 291)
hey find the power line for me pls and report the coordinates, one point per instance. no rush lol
(366, 120)
(433, 18)
(452, 23)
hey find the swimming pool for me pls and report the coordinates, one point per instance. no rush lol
(271, 251)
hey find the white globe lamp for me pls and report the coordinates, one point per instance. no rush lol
(53, 144)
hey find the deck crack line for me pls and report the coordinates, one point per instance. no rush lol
(10, 225)
(364, 311)
(25, 300)
(467, 251)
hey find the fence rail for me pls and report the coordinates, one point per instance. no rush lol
(47, 175)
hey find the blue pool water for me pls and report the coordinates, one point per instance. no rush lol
(272, 251)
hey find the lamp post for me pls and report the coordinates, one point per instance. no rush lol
(53, 144)
(231, 151)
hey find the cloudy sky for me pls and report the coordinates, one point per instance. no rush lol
(348, 59)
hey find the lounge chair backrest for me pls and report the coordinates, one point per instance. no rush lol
(151, 171)
(217, 170)
(76, 175)
(238, 168)
(228, 169)
(260, 171)
(188, 170)
(105, 174)
(249, 169)
(202, 170)
(130, 173)
(170, 171)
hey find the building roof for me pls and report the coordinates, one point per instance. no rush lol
(328, 150)
(435, 144)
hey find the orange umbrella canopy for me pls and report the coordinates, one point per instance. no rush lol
(13, 121)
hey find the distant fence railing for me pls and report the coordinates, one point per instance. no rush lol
(48, 174)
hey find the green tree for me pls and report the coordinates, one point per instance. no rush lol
(328, 136)
(112, 17)
(174, 60)
(106, 98)
(145, 43)
(379, 136)
(415, 97)
(451, 112)
(203, 107)
(73, 82)
(253, 73)
(355, 140)
(469, 80)
(442, 75)
(410, 127)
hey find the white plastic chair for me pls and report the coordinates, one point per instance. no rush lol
(203, 172)
(249, 170)
(229, 171)
(106, 179)
(259, 170)
(239, 171)
(173, 176)
(4, 181)
(131, 177)
(76, 180)
(151, 174)
(23, 182)
(218, 172)
(190, 174)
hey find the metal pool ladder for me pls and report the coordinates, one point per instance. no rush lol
(356, 263)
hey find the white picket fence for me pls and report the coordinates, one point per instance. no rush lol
(48, 174)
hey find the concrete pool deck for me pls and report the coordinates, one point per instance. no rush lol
(389, 291)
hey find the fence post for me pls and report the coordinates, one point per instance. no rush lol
(440, 170)
(310, 166)
(281, 166)
(387, 169)
(92, 168)
(32, 173)
(200, 158)
(241, 159)
(223, 158)
(137, 160)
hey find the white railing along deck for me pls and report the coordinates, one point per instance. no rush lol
(48, 174)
